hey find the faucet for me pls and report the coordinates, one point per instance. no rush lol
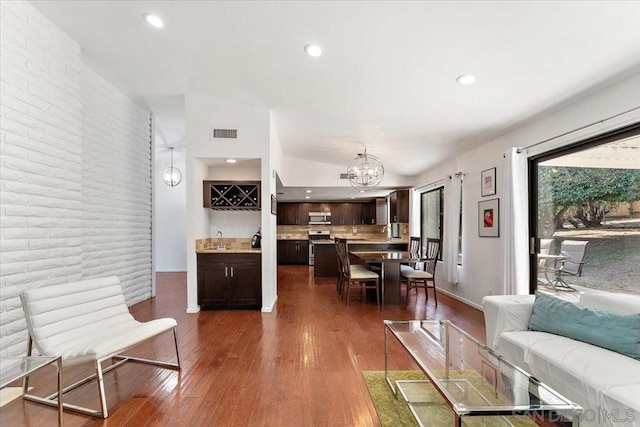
(387, 229)
(220, 243)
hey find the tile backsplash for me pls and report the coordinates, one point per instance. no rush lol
(369, 232)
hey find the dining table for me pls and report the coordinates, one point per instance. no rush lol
(389, 262)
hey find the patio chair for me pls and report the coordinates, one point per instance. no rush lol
(574, 250)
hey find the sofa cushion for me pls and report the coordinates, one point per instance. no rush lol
(582, 372)
(608, 329)
(609, 301)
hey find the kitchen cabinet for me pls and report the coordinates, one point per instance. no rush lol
(293, 252)
(229, 281)
(231, 195)
(293, 214)
(355, 213)
(319, 207)
(368, 215)
(399, 206)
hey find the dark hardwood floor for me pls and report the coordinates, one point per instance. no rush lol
(298, 366)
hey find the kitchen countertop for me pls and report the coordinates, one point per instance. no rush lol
(361, 242)
(229, 251)
(293, 238)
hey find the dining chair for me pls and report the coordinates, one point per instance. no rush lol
(336, 241)
(423, 275)
(357, 275)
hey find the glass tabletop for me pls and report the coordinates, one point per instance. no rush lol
(470, 376)
(14, 368)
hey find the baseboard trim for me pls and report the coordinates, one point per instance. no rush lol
(170, 271)
(270, 308)
(463, 300)
(192, 310)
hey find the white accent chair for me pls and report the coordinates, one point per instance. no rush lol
(87, 321)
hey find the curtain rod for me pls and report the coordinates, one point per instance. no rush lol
(578, 129)
(439, 182)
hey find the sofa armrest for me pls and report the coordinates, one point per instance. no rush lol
(505, 313)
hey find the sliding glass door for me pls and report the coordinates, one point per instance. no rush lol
(585, 215)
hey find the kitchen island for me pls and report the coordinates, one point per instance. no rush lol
(229, 274)
(326, 261)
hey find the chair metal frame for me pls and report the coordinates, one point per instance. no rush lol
(52, 399)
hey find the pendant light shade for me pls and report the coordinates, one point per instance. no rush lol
(172, 175)
(365, 172)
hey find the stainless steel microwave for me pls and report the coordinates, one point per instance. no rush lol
(320, 218)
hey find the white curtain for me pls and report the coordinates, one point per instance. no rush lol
(515, 225)
(451, 244)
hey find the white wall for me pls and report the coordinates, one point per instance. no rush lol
(480, 273)
(75, 172)
(202, 114)
(170, 215)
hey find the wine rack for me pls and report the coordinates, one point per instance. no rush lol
(232, 195)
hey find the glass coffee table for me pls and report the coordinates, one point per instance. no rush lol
(473, 380)
(15, 368)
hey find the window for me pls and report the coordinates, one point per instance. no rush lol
(431, 216)
(585, 215)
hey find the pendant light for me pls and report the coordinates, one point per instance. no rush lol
(172, 175)
(365, 172)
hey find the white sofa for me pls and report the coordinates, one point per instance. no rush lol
(605, 383)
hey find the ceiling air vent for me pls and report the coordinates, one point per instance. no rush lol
(225, 134)
(344, 175)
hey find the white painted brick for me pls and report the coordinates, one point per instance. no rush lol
(76, 167)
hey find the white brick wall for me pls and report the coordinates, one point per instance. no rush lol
(75, 171)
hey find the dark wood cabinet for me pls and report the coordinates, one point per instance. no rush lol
(293, 252)
(399, 206)
(368, 215)
(231, 195)
(319, 207)
(351, 213)
(229, 281)
(293, 214)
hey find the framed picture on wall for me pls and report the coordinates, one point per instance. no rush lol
(274, 205)
(488, 182)
(489, 218)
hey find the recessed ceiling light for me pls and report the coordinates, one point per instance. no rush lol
(353, 197)
(307, 197)
(308, 191)
(231, 160)
(362, 191)
(154, 20)
(466, 79)
(313, 50)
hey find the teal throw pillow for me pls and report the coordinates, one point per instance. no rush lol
(619, 332)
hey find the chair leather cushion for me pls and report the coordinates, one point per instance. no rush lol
(87, 320)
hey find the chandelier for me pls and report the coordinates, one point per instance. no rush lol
(365, 172)
(172, 175)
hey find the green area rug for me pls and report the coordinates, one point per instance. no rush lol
(395, 412)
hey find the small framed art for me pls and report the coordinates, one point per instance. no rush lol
(274, 205)
(488, 182)
(489, 218)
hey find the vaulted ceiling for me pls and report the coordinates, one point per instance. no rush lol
(387, 79)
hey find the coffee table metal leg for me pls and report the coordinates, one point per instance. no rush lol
(386, 361)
